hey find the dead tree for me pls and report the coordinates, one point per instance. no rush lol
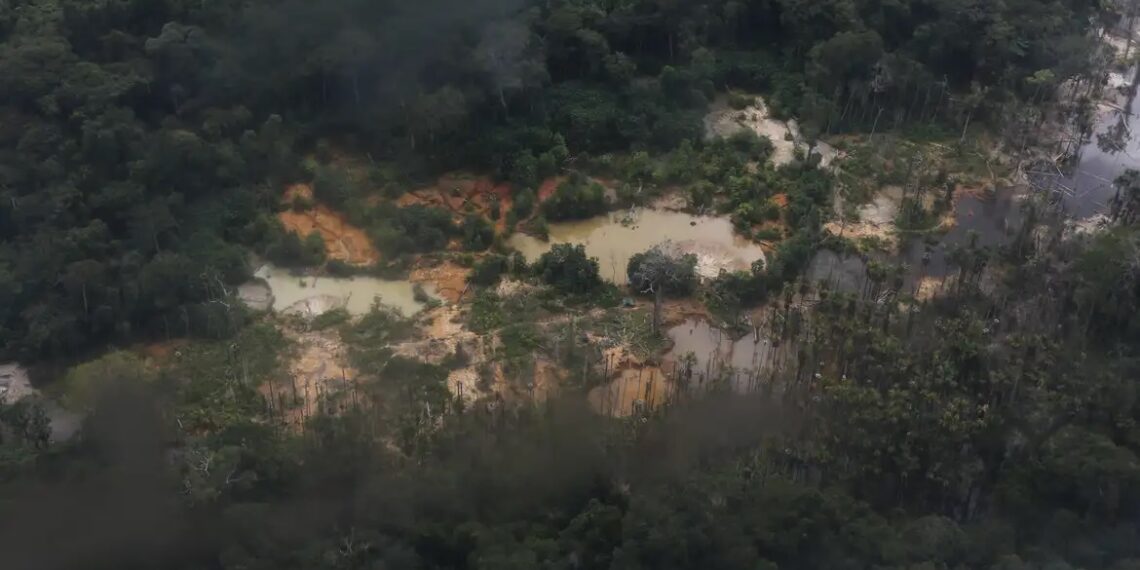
(660, 269)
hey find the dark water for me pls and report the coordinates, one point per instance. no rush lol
(1087, 189)
(842, 272)
(1083, 191)
(992, 219)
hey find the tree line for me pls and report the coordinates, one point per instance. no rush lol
(144, 144)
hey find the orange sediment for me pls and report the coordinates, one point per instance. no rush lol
(548, 187)
(449, 279)
(635, 390)
(343, 241)
(463, 194)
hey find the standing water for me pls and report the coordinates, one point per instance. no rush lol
(703, 353)
(312, 296)
(613, 240)
(1087, 189)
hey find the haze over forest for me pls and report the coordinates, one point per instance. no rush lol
(569, 284)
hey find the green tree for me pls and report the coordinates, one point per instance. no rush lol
(660, 271)
(567, 268)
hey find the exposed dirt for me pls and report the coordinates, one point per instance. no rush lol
(677, 311)
(547, 379)
(158, 354)
(449, 279)
(441, 334)
(15, 383)
(1120, 45)
(320, 376)
(512, 288)
(929, 287)
(444, 322)
(1090, 225)
(876, 219)
(343, 241)
(615, 356)
(464, 383)
(860, 230)
(463, 194)
(883, 210)
(724, 121)
(634, 391)
(673, 200)
(548, 187)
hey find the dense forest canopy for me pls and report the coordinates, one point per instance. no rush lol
(143, 141)
(145, 146)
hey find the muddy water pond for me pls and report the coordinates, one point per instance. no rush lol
(702, 352)
(281, 290)
(615, 238)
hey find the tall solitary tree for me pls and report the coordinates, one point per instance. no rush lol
(663, 269)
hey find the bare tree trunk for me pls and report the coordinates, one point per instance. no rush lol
(969, 116)
(658, 301)
(1128, 46)
(875, 126)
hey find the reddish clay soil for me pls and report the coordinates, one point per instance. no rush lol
(449, 279)
(548, 186)
(343, 241)
(464, 194)
(158, 354)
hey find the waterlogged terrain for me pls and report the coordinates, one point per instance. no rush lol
(615, 238)
(702, 353)
(1109, 151)
(309, 295)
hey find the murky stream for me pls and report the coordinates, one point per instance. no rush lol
(613, 240)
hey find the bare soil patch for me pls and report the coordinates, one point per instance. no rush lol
(634, 391)
(343, 241)
(449, 279)
(464, 194)
(320, 378)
